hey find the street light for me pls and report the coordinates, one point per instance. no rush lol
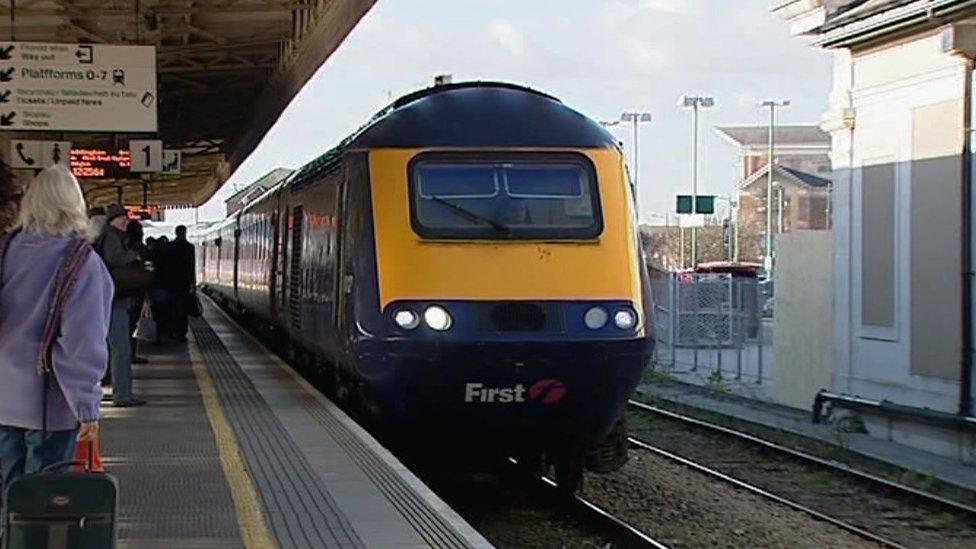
(772, 105)
(636, 118)
(695, 102)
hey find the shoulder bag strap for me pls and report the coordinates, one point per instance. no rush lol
(64, 283)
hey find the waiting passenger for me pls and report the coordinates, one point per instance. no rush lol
(180, 280)
(134, 234)
(52, 217)
(124, 265)
(159, 298)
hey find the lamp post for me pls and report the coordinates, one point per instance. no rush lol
(695, 102)
(731, 240)
(772, 105)
(779, 209)
(636, 118)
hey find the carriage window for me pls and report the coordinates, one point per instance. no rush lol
(536, 197)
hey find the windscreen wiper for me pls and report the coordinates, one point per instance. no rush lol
(472, 215)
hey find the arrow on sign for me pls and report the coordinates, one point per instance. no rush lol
(4, 96)
(6, 75)
(85, 54)
(5, 52)
(7, 119)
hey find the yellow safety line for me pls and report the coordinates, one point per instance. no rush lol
(250, 517)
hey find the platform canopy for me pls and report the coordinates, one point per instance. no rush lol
(226, 70)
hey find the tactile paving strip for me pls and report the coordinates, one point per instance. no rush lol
(425, 520)
(301, 512)
(172, 488)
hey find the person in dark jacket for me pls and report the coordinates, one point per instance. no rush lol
(159, 297)
(112, 245)
(180, 280)
(135, 235)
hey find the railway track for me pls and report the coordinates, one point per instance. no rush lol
(623, 532)
(874, 508)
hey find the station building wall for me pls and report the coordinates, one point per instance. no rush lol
(896, 122)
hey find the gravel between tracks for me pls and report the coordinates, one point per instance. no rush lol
(685, 508)
(516, 518)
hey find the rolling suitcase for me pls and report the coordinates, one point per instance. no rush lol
(54, 509)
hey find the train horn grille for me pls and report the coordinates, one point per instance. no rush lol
(521, 317)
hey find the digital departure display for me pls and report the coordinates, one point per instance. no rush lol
(100, 163)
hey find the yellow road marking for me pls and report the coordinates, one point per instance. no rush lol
(250, 517)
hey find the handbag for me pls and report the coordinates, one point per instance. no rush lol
(146, 328)
(131, 280)
(60, 508)
(88, 457)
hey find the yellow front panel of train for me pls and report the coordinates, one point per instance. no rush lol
(413, 268)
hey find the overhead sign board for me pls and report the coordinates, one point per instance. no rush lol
(77, 87)
(147, 155)
(100, 163)
(27, 154)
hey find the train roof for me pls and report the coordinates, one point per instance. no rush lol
(481, 114)
(469, 114)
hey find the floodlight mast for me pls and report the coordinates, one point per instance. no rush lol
(636, 118)
(695, 102)
(772, 105)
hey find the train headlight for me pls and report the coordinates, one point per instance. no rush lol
(406, 319)
(437, 318)
(625, 319)
(596, 318)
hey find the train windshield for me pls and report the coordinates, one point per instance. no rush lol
(505, 199)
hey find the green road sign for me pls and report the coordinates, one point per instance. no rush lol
(705, 204)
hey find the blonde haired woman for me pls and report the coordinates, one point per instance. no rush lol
(51, 222)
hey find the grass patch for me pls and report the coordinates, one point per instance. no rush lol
(818, 479)
(940, 521)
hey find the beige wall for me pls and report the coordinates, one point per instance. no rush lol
(936, 238)
(802, 340)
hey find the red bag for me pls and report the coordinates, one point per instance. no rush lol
(89, 454)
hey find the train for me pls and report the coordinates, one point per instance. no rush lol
(465, 267)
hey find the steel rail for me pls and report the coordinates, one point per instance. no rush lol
(616, 523)
(763, 493)
(836, 465)
(635, 536)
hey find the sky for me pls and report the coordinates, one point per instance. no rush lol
(600, 57)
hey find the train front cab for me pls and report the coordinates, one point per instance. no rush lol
(511, 305)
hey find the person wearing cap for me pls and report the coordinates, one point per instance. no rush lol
(112, 245)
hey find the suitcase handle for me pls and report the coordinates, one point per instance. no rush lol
(62, 465)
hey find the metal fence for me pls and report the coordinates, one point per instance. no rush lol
(712, 324)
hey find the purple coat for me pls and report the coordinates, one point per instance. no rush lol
(80, 354)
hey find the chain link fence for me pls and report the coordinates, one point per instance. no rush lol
(710, 325)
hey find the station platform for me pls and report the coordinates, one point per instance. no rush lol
(235, 449)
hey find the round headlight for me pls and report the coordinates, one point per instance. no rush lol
(406, 319)
(596, 318)
(625, 319)
(437, 318)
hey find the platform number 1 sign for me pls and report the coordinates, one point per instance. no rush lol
(146, 154)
